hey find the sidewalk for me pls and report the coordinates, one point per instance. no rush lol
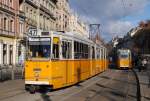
(145, 91)
(11, 88)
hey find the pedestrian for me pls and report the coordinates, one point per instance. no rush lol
(144, 64)
(148, 72)
(139, 64)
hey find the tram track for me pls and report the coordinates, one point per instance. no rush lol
(83, 88)
(138, 94)
(88, 98)
(9, 95)
(117, 83)
(110, 82)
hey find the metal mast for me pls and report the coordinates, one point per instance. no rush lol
(94, 33)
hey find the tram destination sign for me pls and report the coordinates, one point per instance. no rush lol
(39, 39)
(45, 33)
(32, 31)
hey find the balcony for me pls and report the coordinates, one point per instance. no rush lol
(7, 9)
(7, 33)
(33, 4)
(22, 14)
(50, 13)
(31, 22)
(54, 1)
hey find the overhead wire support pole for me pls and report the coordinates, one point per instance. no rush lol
(94, 32)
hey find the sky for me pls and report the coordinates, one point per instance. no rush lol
(116, 17)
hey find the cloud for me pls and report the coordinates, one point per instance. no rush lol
(109, 13)
(118, 27)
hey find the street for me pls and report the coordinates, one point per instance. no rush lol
(112, 85)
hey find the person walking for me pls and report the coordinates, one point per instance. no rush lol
(139, 64)
(144, 64)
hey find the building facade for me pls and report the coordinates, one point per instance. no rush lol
(17, 17)
(39, 15)
(62, 15)
(78, 26)
(9, 23)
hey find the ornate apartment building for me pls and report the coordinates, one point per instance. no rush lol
(9, 9)
(77, 25)
(39, 14)
(35, 14)
(63, 15)
(18, 16)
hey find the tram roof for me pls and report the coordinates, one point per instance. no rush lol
(69, 35)
(75, 36)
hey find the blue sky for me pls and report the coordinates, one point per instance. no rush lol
(116, 17)
(135, 19)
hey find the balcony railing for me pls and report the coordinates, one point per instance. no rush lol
(22, 14)
(7, 33)
(34, 4)
(50, 13)
(7, 8)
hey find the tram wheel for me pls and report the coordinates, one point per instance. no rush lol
(27, 87)
(32, 89)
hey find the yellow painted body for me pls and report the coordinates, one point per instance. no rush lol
(124, 63)
(62, 73)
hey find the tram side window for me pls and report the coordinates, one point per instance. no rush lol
(93, 53)
(55, 51)
(86, 52)
(81, 51)
(76, 50)
(98, 53)
(66, 50)
(89, 52)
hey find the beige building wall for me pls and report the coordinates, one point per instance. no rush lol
(9, 22)
(62, 15)
(78, 26)
(37, 14)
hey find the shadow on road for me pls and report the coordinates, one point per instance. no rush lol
(44, 95)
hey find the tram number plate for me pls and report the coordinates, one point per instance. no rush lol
(37, 69)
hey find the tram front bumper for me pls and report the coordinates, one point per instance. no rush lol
(37, 83)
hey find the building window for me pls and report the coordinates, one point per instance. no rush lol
(21, 27)
(11, 55)
(11, 25)
(11, 4)
(4, 54)
(5, 23)
(0, 21)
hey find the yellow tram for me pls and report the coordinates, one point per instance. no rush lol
(58, 60)
(124, 59)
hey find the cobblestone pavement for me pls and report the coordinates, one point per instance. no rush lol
(112, 85)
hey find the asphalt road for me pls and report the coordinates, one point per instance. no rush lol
(112, 85)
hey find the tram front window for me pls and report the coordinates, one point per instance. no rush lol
(124, 56)
(40, 51)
